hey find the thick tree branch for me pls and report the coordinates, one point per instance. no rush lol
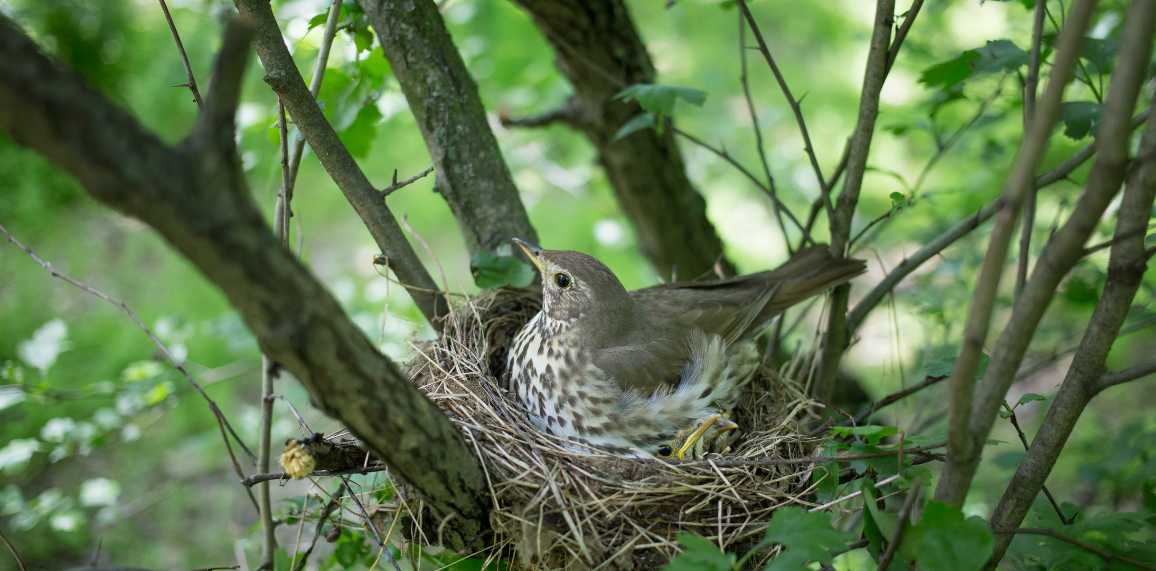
(281, 74)
(1062, 251)
(472, 175)
(957, 477)
(197, 200)
(1128, 261)
(598, 49)
(838, 334)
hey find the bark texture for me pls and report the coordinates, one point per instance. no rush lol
(472, 175)
(598, 49)
(194, 194)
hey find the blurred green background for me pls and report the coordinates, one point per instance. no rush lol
(104, 448)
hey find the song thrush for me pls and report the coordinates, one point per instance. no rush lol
(650, 372)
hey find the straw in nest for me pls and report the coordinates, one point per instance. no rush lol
(556, 507)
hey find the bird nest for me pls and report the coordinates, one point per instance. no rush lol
(556, 507)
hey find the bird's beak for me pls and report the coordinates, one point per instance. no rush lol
(532, 252)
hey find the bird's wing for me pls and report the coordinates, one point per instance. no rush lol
(738, 307)
(645, 366)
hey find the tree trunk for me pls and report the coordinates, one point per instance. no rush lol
(471, 174)
(195, 195)
(599, 50)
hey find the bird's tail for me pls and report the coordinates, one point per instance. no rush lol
(808, 272)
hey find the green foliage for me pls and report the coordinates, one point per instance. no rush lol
(658, 101)
(1080, 118)
(945, 540)
(699, 554)
(491, 270)
(805, 536)
(997, 56)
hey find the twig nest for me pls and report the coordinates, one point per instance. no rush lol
(557, 507)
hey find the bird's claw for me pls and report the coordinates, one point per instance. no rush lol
(712, 435)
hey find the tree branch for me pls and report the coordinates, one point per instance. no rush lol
(598, 48)
(1063, 250)
(1104, 554)
(955, 233)
(837, 334)
(1127, 375)
(1126, 267)
(1030, 89)
(281, 74)
(472, 176)
(191, 80)
(198, 201)
(957, 476)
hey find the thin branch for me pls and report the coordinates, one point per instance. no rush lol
(1104, 554)
(258, 478)
(837, 335)
(796, 107)
(957, 477)
(226, 429)
(15, 554)
(281, 74)
(1030, 88)
(896, 397)
(568, 113)
(759, 147)
(726, 156)
(400, 184)
(955, 233)
(191, 81)
(1127, 375)
(330, 506)
(904, 513)
(319, 65)
(1015, 422)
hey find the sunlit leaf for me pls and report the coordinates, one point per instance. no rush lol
(358, 137)
(491, 271)
(638, 123)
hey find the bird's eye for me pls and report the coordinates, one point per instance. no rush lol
(665, 451)
(563, 280)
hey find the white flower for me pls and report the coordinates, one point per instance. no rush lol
(46, 344)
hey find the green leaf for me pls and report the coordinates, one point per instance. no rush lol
(363, 39)
(996, 56)
(358, 137)
(946, 541)
(871, 433)
(638, 123)
(950, 72)
(1030, 397)
(318, 20)
(661, 98)
(805, 536)
(1079, 118)
(699, 554)
(492, 271)
(1100, 54)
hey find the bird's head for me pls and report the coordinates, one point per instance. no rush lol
(576, 286)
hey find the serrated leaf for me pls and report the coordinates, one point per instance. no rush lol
(661, 98)
(1000, 55)
(318, 20)
(805, 536)
(1030, 397)
(950, 72)
(638, 123)
(699, 554)
(1079, 118)
(944, 540)
(1100, 54)
(491, 271)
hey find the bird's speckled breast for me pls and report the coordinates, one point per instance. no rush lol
(564, 394)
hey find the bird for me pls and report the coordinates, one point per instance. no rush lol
(650, 373)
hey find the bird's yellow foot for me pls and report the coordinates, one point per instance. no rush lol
(713, 434)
